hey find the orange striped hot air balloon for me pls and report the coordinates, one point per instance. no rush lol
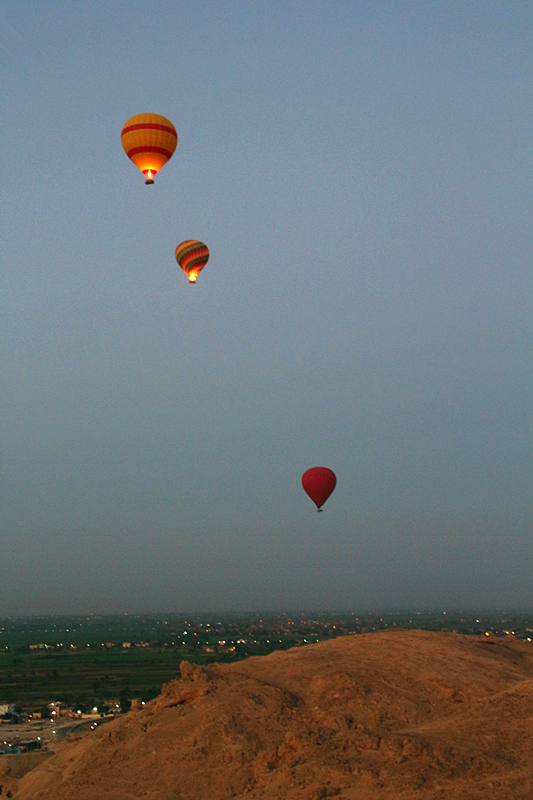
(149, 140)
(192, 256)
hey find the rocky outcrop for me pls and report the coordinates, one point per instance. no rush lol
(390, 715)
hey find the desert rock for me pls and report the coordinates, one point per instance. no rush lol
(403, 715)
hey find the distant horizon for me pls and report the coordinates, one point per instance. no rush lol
(294, 611)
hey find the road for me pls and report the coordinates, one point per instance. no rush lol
(49, 731)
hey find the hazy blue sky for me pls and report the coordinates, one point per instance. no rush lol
(362, 174)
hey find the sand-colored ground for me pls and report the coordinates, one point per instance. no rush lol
(16, 766)
(402, 715)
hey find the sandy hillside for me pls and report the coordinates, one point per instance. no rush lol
(384, 715)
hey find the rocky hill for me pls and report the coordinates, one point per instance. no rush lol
(407, 715)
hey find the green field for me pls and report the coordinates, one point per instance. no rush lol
(82, 661)
(35, 679)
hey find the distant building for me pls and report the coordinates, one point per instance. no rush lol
(30, 744)
(60, 710)
(7, 708)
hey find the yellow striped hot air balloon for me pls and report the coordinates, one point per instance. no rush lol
(149, 140)
(192, 256)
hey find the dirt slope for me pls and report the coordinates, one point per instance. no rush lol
(403, 715)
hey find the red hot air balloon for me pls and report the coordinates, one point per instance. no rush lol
(319, 482)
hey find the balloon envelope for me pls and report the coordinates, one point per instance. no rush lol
(149, 140)
(192, 256)
(319, 482)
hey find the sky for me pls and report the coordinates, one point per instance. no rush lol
(362, 175)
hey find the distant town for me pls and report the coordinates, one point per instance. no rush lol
(59, 674)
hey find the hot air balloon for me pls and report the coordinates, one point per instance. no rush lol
(319, 482)
(149, 140)
(192, 256)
